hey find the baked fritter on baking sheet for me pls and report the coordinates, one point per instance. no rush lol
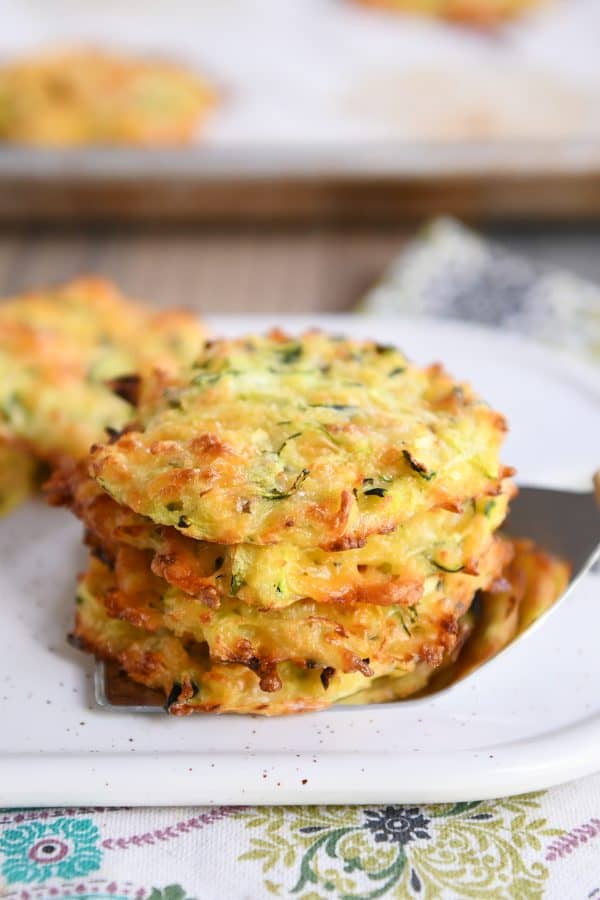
(70, 361)
(317, 442)
(474, 12)
(91, 97)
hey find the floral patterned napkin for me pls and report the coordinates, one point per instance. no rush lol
(542, 845)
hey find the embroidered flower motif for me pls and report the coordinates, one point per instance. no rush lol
(400, 824)
(482, 849)
(358, 846)
(171, 892)
(65, 848)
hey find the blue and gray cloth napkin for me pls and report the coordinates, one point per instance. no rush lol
(449, 271)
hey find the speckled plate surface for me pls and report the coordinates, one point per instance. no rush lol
(528, 721)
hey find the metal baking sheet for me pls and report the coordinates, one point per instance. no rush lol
(328, 107)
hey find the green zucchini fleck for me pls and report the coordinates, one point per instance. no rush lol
(444, 568)
(489, 508)
(339, 407)
(403, 623)
(237, 582)
(417, 467)
(384, 348)
(375, 492)
(277, 494)
(290, 354)
(205, 378)
(297, 434)
(174, 695)
(13, 409)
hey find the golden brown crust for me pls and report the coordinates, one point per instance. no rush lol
(531, 583)
(545, 578)
(187, 679)
(191, 682)
(332, 637)
(386, 570)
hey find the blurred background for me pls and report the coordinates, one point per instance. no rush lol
(310, 142)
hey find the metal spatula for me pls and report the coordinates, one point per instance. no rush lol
(564, 523)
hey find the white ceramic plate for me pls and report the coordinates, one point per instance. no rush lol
(530, 720)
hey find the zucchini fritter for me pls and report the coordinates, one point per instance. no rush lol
(91, 97)
(388, 569)
(344, 637)
(392, 602)
(70, 358)
(315, 442)
(474, 12)
(531, 583)
(538, 577)
(191, 682)
(388, 688)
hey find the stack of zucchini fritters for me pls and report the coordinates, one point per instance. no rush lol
(289, 523)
